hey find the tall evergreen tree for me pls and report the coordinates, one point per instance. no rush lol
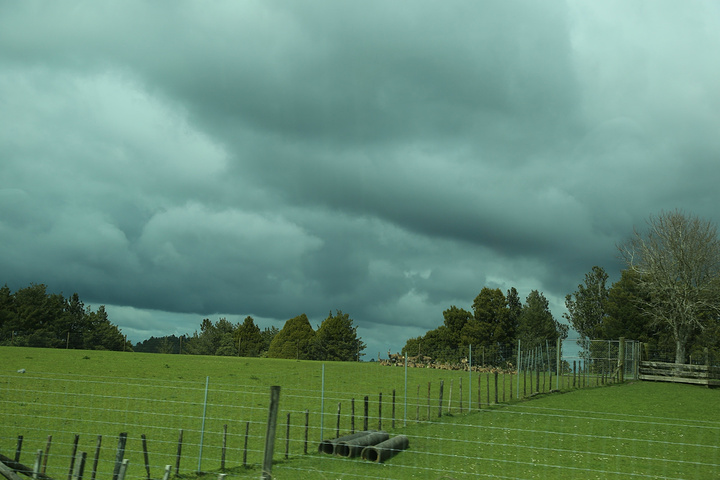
(490, 330)
(248, 338)
(294, 340)
(337, 339)
(537, 324)
(587, 306)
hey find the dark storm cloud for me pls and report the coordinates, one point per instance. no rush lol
(188, 160)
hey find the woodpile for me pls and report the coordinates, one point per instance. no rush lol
(397, 360)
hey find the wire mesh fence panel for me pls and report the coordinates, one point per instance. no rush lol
(457, 422)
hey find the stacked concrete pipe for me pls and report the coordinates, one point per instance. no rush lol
(328, 446)
(353, 448)
(385, 450)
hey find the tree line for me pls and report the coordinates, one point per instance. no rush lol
(335, 339)
(32, 317)
(668, 297)
(497, 321)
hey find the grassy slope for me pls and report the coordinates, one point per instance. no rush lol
(643, 429)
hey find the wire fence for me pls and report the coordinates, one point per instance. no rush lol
(464, 423)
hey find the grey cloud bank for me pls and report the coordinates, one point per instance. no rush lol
(188, 160)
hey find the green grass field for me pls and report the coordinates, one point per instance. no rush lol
(634, 430)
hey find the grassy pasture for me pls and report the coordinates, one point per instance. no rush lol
(635, 430)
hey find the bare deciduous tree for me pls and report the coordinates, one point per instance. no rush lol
(678, 262)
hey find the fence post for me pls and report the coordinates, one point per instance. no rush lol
(322, 405)
(517, 369)
(122, 440)
(38, 464)
(352, 415)
(123, 469)
(222, 453)
(337, 422)
(470, 365)
(245, 448)
(96, 459)
(574, 372)
(461, 394)
(80, 466)
(18, 448)
(287, 437)
(428, 409)
(487, 376)
(47, 454)
(496, 387)
(442, 382)
(380, 411)
(393, 405)
(202, 427)
(307, 427)
(558, 362)
(179, 454)
(270, 432)
(621, 360)
(367, 411)
(145, 454)
(479, 391)
(417, 406)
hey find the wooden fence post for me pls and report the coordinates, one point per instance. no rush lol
(461, 395)
(179, 454)
(96, 459)
(47, 454)
(621, 360)
(496, 386)
(442, 383)
(145, 455)
(307, 428)
(380, 411)
(487, 385)
(558, 363)
(574, 372)
(245, 448)
(503, 382)
(74, 452)
(352, 415)
(287, 437)
(366, 412)
(222, 452)
(479, 391)
(337, 423)
(428, 403)
(270, 432)
(393, 410)
(511, 383)
(18, 448)
(417, 407)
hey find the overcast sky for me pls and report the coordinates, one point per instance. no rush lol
(190, 159)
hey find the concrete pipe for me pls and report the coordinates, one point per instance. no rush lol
(383, 451)
(328, 446)
(353, 448)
